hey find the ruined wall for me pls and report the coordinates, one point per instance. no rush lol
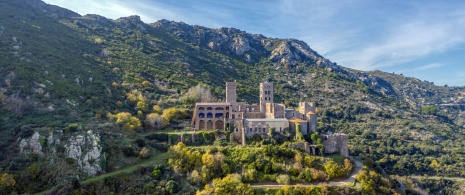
(336, 143)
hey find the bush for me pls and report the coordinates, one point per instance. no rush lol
(140, 142)
(283, 179)
(128, 151)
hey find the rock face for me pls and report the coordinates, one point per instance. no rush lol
(85, 149)
(248, 46)
(31, 144)
(377, 83)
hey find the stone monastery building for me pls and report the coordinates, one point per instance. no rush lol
(246, 120)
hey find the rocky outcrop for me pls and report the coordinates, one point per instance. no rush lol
(31, 144)
(377, 84)
(85, 149)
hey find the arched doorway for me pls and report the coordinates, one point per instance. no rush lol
(219, 124)
(201, 124)
(209, 124)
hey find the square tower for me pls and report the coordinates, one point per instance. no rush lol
(231, 92)
(266, 95)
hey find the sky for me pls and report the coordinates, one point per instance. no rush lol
(417, 38)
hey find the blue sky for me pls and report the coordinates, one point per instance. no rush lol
(422, 39)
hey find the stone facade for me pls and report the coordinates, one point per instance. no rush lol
(246, 120)
(336, 143)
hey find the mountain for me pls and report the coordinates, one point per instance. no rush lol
(61, 73)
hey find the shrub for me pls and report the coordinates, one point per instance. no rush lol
(283, 179)
(128, 151)
(144, 153)
(140, 142)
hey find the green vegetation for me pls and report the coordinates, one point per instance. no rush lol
(134, 86)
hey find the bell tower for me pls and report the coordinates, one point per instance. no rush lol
(266, 95)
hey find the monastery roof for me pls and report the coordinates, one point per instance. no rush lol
(310, 112)
(295, 119)
(267, 119)
(212, 104)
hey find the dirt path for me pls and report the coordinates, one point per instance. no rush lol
(349, 180)
(157, 159)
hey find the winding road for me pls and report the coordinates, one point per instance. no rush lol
(347, 181)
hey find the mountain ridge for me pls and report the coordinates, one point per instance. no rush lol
(63, 72)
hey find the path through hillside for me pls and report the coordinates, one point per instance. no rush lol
(157, 159)
(349, 180)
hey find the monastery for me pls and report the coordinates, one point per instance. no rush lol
(247, 120)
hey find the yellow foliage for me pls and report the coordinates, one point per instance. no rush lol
(128, 121)
(7, 180)
(157, 109)
(146, 83)
(144, 153)
(347, 165)
(115, 85)
(208, 160)
(119, 103)
(170, 114)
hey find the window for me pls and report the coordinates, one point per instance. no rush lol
(201, 115)
(256, 129)
(293, 114)
(233, 116)
(201, 108)
(280, 129)
(237, 130)
(250, 130)
(209, 115)
(209, 108)
(264, 129)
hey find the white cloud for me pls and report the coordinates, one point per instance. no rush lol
(429, 66)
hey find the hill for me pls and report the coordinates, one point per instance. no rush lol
(62, 74)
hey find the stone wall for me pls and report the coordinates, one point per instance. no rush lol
(336, 143)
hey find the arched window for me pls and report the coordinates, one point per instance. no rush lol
(219, 115)
(219, 108)
(209, 108)
(237, 130)
(201, 115)
(201, 108)
(209, 115)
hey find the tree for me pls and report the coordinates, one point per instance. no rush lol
(144, 153)
(332, 169)
(157, 109)
(314, 137)
(198, 93)
(231, 184)
(347, 165)
(431, 110)
(155, 121)
(298, 132)
(435, 165)
(127, 121)
(283, 179)
(7, 180)
(34, 171)
(271, 132)
(170, 115)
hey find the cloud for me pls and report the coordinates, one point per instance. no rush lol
(429, 66)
